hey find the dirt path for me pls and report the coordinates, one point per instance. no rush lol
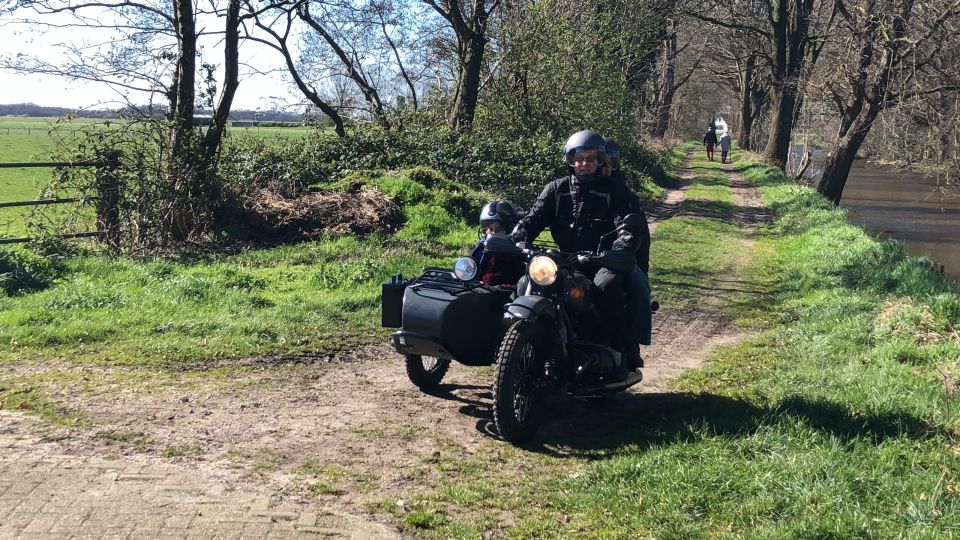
(288, 447)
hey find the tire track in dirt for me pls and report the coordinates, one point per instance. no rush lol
(685, 339)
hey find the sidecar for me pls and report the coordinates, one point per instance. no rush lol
(443, 316)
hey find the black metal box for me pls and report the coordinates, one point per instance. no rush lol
(391, 302)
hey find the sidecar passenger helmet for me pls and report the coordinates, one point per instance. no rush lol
(501, 211)
(613, 152)
(582, 141)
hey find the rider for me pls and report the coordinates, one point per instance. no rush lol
(582, 209)
(497, 217)
(637, 283)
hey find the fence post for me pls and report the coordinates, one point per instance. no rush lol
(108, 200)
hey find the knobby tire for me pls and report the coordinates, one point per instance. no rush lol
(426, 373)
(519, 363)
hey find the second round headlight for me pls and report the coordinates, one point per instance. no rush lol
(465, 268)
(543, 270)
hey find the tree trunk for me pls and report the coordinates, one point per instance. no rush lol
(231, 57)
(838, 163)
(836, 169)
(746, 104)
(791, 21)
(183, 91)
(210, 185)
(666, 89)
(781, 125)
(468, 93)
(181, 117)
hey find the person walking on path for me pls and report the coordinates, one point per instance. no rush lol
(725, 146)
(710, 140)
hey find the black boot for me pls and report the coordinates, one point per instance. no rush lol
(631, 356)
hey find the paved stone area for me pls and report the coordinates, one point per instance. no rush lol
(47, 493)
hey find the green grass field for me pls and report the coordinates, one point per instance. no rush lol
(22, 140)
(308, 296)
(29, 140)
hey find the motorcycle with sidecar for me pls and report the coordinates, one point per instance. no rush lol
(545, 336)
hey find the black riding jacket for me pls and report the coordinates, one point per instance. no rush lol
(580, 216)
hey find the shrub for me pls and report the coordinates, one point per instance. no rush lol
(22, 270)
(514, 168)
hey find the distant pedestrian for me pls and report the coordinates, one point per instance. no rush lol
(710, 140)
(725, 146)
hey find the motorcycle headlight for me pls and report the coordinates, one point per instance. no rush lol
(543, 270)
(465, 268)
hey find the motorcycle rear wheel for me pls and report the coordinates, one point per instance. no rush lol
(426, 372)
(517, 390)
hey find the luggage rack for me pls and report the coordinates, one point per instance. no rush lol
(444, 280)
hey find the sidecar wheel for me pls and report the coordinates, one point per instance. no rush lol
(518, 397)
(426, 372)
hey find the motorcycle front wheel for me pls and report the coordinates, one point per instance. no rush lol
(426, 372)
(517, 389)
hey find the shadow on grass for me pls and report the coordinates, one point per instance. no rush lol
(575, 428)
(579, 428)
(738, 214)
(693, 279)
(696, 281)
(709, 180)
(840, 422)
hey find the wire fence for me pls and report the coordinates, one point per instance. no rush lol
(106, 202)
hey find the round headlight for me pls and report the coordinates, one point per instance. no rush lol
(543, 270)
(465, 268)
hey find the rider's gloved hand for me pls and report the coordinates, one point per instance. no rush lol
(519, 239)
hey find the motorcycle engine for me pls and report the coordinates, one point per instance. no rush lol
(595, 359)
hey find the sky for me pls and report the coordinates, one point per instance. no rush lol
(265, 91)
(255, 91)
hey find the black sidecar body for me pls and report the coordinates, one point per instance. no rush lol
(444, 317)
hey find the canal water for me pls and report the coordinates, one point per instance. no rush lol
(908, 207)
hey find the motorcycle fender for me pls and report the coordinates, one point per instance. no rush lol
(531, 308)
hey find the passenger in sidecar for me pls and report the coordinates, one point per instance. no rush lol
(498, 265)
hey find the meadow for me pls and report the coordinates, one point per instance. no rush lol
(25, 139)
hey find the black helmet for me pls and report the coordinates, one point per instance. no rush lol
(583, 141)
(501, 211)
(613, 152)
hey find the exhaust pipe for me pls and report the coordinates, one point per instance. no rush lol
(633, 378)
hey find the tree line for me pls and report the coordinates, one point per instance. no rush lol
(306, 116)
(834, 70)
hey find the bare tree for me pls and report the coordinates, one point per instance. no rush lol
(686, 57)
(890, 53)
(469, 22)
(351, 60)
(279, 26)
(128, 47)
(325, 43)
(152, 47)
(388, 21)
(789, 30)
